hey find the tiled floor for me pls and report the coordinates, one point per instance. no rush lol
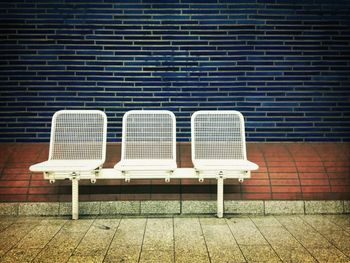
(314, 238)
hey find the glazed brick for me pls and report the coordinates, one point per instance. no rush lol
(313, 182)
(257, 196)
(313, 175)
(43, 198)
(278, 60)
(316, 189)
(13, 198)
(286, 189)
(256, 189)
(14, 191)
(14, 184)
(287, 175)
(279, 182)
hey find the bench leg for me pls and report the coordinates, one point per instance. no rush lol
(220, 196)
(75, 198)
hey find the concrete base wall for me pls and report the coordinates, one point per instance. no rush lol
(175, 207)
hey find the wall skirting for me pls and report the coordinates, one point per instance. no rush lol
(144, 208)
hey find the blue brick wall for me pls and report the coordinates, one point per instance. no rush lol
(284, 64)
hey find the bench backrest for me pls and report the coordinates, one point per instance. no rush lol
(218, 135)
(78, 135)
(149, 134)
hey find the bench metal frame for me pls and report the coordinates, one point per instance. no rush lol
(77, 149)
(219, 148)
(125, 170)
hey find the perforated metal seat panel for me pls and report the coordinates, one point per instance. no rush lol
(78, 135)
(218, 140)
(148, 140)
(78, 140)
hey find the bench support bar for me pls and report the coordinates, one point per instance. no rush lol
(220, 197)
(75, 198)
(179, 173)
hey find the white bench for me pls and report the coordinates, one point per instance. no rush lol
(148, 149)
(219, 148)
(148, 144)
(77, 149)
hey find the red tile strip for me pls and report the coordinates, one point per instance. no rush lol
(288, 171)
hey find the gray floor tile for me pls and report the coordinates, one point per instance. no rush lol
(20, 255)
(152, 256)
(311, 238)
(259, 253)
(62, 246)
(190, 255)
(329, 254)
(6, 222)
(189, 241)
(98, 238)
(304, 233)
(86, 259)
(293, 253)
(124, 254)
(159, 234)
(245, 231)
(220, 242)
(40, 235)
(10, 236)
(129, 233)
(267, 221)
(340, 220)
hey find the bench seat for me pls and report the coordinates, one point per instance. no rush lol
(66, 166)
(224, 165)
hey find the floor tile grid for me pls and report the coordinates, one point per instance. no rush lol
(342, 221)
(114, 234)
(174, 255)
(253, 244)
(34, 241)
(324, 250)
(11, 235)
(205, 242)
(281, 251)
(3, 227)
(324, 233)
(294, 236)
(143, 240)
(317, 241)
(49, 241)
(66, 246)
(266, 239)
(245, 259)
(190, 246)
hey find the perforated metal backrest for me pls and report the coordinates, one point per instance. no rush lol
(218, 135)
(78, 135)
(149, 134)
